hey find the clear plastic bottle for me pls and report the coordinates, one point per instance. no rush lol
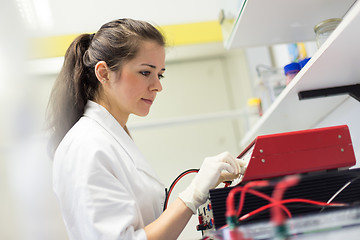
(324, 29)
(291, 70)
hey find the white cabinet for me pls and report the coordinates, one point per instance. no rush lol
(268, 22)
(336, 63)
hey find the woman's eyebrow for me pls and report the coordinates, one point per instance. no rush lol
(152, 66)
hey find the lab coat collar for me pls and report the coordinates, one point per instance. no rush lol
(109, 123)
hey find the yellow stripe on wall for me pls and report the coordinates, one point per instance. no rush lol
(49, 47)
(176, 35)
(193, 33)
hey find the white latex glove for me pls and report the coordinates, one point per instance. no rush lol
(226, 176)
(212, 171)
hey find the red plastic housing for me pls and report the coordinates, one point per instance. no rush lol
(299, 152)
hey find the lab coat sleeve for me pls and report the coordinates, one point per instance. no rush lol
(99, 204)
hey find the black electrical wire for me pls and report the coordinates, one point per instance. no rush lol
(167, 193)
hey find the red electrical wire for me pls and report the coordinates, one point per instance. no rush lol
(284, 202)
(177, 179)
(290, 201)
(261, 183)
(227, 184)
(277, 217)
(263, 195)
(230, 200)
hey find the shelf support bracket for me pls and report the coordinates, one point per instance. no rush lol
(352, 90)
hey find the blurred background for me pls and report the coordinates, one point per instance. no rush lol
(210, 96)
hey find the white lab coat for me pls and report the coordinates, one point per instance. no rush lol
(105, 187)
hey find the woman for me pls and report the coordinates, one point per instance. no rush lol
(105, 187)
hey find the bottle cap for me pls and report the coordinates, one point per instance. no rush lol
(303, 62)
(292, 67)
(254, 101)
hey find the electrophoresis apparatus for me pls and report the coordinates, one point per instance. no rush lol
(289, 177)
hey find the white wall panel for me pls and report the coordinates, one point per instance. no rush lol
(347, 113)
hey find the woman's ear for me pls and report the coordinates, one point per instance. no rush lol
(102, 71)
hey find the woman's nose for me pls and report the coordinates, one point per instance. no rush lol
(156, 86)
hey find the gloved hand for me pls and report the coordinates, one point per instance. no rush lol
(214, 170)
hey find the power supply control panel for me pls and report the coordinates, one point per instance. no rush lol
(206, 218)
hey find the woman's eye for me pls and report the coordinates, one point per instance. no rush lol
(145, 73)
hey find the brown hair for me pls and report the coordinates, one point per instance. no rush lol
(116, 42)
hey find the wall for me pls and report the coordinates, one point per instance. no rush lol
(346, 113)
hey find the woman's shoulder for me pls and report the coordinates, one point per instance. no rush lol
(86, 134)
(87, 129)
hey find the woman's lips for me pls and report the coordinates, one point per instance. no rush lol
(148, 101)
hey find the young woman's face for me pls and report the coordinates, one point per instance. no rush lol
(133, 89)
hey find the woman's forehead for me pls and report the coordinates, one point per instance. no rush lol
(151, 54)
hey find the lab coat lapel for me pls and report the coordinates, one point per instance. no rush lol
(109, 123)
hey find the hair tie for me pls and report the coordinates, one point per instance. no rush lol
(92, 36)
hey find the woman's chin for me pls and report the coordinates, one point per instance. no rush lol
(142, 113)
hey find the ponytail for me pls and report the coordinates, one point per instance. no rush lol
(71, 90)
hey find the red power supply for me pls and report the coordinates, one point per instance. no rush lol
(298, 152)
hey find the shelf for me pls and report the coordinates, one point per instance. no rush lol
(336, 63)
(262, 22)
